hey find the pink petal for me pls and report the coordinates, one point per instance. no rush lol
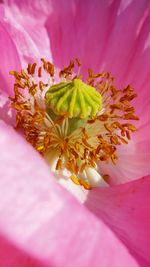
(103, 34)
(1, 9)
(126, 210)
(31, 9)
(43, 225)
(79, 30)
(25, 21)
(9, 60)
(133, 159)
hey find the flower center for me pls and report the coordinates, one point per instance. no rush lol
(74, 99)
(73, 124)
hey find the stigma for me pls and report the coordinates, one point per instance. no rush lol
(75, 123)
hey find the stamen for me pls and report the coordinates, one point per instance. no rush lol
(73, 124)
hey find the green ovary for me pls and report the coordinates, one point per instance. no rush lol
(74, 98)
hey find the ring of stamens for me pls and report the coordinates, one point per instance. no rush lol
(78, 143)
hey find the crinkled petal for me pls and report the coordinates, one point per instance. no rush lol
(41, 224)
(25, 22)
(79, 30)
(9, 60)
(31, 9)
(126, 210)
(111, 35)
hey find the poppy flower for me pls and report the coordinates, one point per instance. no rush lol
(111, 226)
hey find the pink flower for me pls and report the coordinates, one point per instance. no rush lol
(42, 224)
